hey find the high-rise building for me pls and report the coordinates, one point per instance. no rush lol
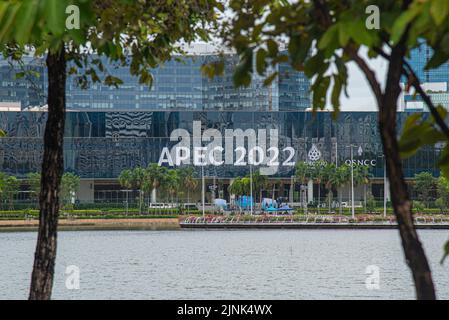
(178, 85)
(22, 83)
(434, 81)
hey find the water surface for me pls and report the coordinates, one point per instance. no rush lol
(220, 264)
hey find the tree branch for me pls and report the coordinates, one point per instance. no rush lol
(410, 74)
(369, 73)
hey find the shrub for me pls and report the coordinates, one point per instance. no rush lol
(418, 206)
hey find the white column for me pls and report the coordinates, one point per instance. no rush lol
(153, 195)
(310, 191)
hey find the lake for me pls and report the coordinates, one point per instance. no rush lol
(224, 264)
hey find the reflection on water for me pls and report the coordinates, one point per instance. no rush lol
(244, 264)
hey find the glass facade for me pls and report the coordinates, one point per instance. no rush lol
(178, 85)
(102, 144)
(418, 60)
(27, 90)
(434, 81)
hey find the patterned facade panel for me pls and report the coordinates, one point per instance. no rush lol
(102, 144)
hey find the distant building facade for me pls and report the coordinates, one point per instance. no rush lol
(178, 85)
(434, 81)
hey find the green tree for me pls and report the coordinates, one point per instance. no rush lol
(138, 180)
(321, 37)
(260, 183)
(70, 184)
(187, 176)
(125, 180)
(304, 173)
(329, 172)
(318, 175)
(11, 189)
(34, 181)
(155, 177)
(3, 177)
(342, 178)
(237, 187)
(362, 177)
(142, 34)
(172, 183)
(424, 186)
(443, 193)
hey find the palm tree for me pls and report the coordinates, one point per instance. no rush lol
(138, 178)
(362, 176)
(259, 183)
(318, 176)
(154, 178)
(329, 173)
(303, 173)
(236, 187)
(172, 182)
(188, 180)
(125, 180)
(341, 178)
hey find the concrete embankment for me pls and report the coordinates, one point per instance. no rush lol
(94, 224)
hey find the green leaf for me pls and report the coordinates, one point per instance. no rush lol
(20, 75)
(343, 34)
(439, 10)
(261, 64)
(328, 37)
(404, 19)
(439, 57)
(25, 21)
(7, 27)
(55, 16)
(336, 91)
(319, 89)
(270, 79)
(272, 48)
(315, 65)
(213, 69)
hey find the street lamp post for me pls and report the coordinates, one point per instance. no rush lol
(385, 187)
(336, 154)
(251, 188)
(203, 191)
(352, 184)
(352, 180)
(385, 184)
(291, 191)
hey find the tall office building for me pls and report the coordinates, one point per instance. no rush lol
(178, 85)
(22, 84)
(434, 81)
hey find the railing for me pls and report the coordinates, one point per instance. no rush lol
(267, 219)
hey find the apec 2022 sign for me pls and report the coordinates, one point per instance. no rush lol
(212, 148)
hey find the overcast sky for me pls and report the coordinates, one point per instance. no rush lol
(360, 95)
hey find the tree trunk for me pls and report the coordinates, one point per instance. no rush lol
(340, 199)
(402, 205)
(52, 170)
(319, 196)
